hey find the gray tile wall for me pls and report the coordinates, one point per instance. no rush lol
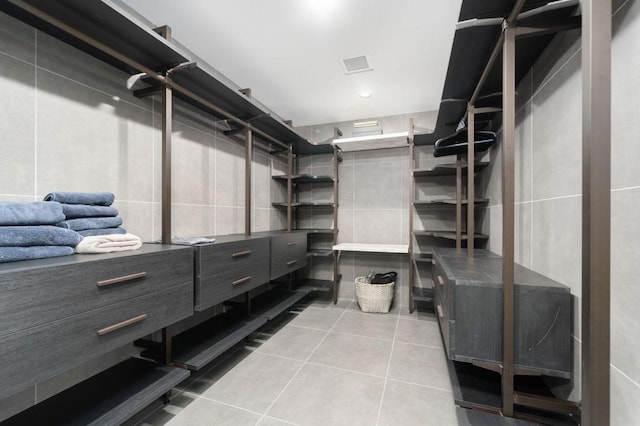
(72, 125)
(549, 193)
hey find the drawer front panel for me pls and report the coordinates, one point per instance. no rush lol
(288, 244)
(284, 264)
(36, 354)
(215, 289)
(443, 286)
(41, 295)
(216, 258)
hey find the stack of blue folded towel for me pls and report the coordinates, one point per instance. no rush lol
(28, 231)
(88, 213)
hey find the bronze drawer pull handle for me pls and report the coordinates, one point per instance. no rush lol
(440, 314)
(122, 279)
(241, 280)
(292, 243)
(120, 325)
(241, 253)
(292, 262)
(440, 280)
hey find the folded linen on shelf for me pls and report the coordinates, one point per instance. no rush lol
(30, 213)
(102, 231)
(90, 198)
(40, 235)
(13, 254)
(109, 243)
(84, 223)
(74, 211)
(192, 241)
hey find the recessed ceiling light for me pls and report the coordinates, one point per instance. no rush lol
(365, 94)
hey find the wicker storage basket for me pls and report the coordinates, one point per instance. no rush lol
(374, 297)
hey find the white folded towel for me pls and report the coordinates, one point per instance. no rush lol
(192, 241)
(109, 243)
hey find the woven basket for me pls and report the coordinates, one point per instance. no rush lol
(374, 297)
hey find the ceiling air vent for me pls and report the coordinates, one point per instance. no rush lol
(356, 64)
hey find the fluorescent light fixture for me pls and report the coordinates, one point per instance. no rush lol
(365, 94)
(359, 124)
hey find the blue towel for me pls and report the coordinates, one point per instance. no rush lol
(84, 223)
(74, 211)
(44, 235)
(30, 213)
(102, 231)
(12, 254)
(90, 198)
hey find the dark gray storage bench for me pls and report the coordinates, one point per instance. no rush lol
(468, 301)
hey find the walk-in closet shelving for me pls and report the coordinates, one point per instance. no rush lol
(159, 66)
(436, 212)
(303, 211)
(485, 62)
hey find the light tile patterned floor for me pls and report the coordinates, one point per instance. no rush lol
(323, 364)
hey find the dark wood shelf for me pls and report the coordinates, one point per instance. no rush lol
(305, 179)
(425, 257)
(272, 303)
(109, 398)
(422, 294)
(309, 285)
(319, 252)
(449, 235)
(198, 346)
(328, 231)
(304, 204)
(448, 169)
(448, 202)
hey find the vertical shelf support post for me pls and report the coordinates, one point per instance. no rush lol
(167, 117)
(248, 162)
(459, 201)
(596, 211)
(508, 176)
(471, 232)
(412, 195)
(289, 188)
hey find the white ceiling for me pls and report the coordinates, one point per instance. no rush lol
(289, 51)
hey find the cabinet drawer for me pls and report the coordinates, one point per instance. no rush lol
(223, 286)
(284, 264)
(33, 355)
(287, 243)
(214, 258)
(38, 295)
(442, 285)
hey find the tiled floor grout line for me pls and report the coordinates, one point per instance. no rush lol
(302, 366)
(222, 403)
(386, 378)
(333, 367)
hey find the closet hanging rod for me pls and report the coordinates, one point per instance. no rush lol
(142, 68)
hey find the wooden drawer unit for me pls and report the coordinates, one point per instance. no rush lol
(470, 313)
(285, 243)
(231, 266)
(288, 252)
(230, 252)
(37, 292)
(37, 353)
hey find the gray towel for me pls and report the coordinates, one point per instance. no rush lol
(30, 213)
(84, 223)
(44, 235)
(12, 254)
(102, 231)
(90, 198)
(74, 211)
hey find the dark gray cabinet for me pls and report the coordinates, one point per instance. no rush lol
(58, 313)
(233, 265)
(468, 301)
